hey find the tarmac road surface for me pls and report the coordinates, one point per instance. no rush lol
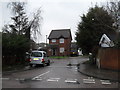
(57, 75)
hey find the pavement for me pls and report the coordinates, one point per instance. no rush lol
(93, 71)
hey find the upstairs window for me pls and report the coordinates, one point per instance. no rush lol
(61, 40)
(53, 40)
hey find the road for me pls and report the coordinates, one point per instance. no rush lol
(57, 75)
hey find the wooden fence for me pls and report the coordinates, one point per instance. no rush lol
(109, 58)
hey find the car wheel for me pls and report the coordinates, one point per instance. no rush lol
(31, 65)
(48, 64)
(43, 64)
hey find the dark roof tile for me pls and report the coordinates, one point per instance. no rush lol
(55, 34)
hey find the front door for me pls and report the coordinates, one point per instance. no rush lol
(53, 52)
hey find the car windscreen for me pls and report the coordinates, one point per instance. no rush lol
(36, 54)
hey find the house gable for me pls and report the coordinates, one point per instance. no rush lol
(106, 41)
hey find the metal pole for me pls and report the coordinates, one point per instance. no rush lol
(46, 40)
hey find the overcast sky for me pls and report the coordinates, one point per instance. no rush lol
(57, 14)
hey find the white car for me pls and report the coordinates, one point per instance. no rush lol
(39, 57)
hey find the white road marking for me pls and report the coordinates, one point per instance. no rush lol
(61, 66)
(43, 74)
(39, 76)
(90, 77)
(5, 78)
(16, 79)
(88, 82)
(53, 79)
(76, 68)
(105, 82)
(20, 79)
(71, 81)
(38, 79)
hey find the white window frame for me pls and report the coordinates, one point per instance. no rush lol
(53, 40)
(61, 40)
(62, 49)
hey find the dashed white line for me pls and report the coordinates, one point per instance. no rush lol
(53, 79)
(5, 78)
(88, 82)
(89, 79)
(71, 81)
(39, 76)
(22, 79)
(105, 82)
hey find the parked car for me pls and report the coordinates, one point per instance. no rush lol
(74, 52)
(39, 58)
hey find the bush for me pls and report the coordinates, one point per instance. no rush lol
(14, 46)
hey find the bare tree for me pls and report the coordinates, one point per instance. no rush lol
(113, 8)
(35, 23)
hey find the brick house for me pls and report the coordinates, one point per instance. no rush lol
(59, 42)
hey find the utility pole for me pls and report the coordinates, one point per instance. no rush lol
(46, 43)
(46, 40)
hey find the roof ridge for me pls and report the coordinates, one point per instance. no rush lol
(60, 29)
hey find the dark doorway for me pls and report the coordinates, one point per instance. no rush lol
(53, 52)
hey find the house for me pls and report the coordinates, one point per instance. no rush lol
(107, 40)
(59, 42)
